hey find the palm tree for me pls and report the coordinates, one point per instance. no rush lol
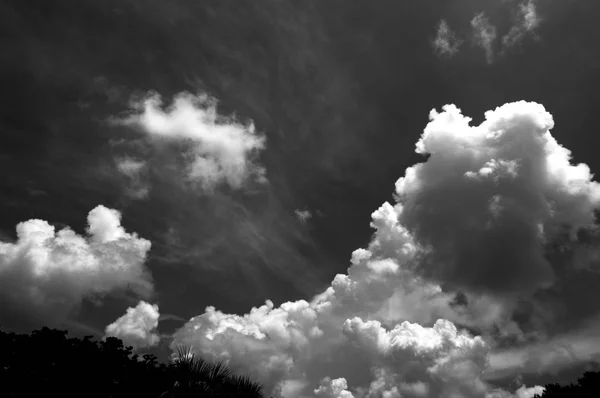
(194, 376)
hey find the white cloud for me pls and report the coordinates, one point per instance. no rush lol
(490, 232)
(220, 150)
(522, 392)
(137, 327)
(484, 35)
(476, 218)
(46, 274)
(527, 21)
(333, 389)
(446, 43)
(303, 215)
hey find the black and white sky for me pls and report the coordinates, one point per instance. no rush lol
(342, 198)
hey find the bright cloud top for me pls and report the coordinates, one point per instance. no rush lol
(475, 217)
(491, 197)
(220, 150)
(137, 327)
(46, 274)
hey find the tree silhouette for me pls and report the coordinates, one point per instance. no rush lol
(588, 386)
(47, 362)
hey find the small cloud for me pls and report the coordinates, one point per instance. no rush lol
(303, 215)
(219, 150)
(446, 43)
(527, 21)
(137, 327)
(484, 35)
(337, 388)
(134, 170)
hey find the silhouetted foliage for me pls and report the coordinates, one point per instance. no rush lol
(588, 386)
(48, 363)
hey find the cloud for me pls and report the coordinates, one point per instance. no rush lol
(46, 274)
(521, 392)
(446, 43)
(439, 289)
(492, 197)
(134, 170)
(303, 215)
(527, 21)
(218, 149)
(333, 389)
(438, 361)
(137, 327)
(555, 354)
(484, 35)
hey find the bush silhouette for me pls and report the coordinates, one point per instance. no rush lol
(47, 362)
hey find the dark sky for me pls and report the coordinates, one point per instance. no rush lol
(340, 89)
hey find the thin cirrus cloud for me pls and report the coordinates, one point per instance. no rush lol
(527, 21)
(484, 33)
(476, 217)
(134, 171)
(46, 274)
(137, 327)
(218, 149)
(446, 43)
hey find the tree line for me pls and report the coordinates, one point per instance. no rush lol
(49, 363)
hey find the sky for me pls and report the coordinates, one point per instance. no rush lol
(339, 198)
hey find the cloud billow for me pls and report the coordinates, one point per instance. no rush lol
(46, 274)
(218, 150)
(137, 327)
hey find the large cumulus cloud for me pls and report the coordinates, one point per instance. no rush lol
(45, 274)
(466, 241)
(491, 196)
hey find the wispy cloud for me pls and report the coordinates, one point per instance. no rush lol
(527, 21)
(303, 215)
(134, 169)
(484, 35)
(446, 43)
